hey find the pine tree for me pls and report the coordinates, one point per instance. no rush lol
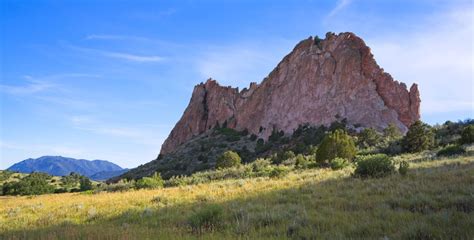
(228, 159)
(336, 144)
(419, 137)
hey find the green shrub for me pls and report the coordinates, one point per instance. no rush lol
(244, 171)
(280, 157)
(228, 159)
(5, 175)
(176, 181)
(312, 150)
(403, 168)
(393, 147)
(70, 181)
(152, 182)
(368, 138)
(377, 165)
(206, 218)
(419, 137)
(278, 172)
(451, 150)
(336, 144)
(276, 135)
(467, 135)
(85, 184)
(33, 184)
(260, 165)
(339, 163)
(392, 132)
(301, 162)
(120, 186)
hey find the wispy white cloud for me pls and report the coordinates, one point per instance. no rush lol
(120, 55)
(132, 57)
(114, 37)
(30, 87)
(341, 4)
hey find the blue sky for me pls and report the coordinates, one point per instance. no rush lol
(109, 79)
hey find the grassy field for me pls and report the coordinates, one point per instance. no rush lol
(434, 201)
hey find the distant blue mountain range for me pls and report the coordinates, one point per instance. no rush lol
(61, 166)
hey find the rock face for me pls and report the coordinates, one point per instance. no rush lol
(318, 82)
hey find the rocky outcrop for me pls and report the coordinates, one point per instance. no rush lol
(317, 82)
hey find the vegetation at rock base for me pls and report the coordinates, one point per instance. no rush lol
(228, 159)
(418, 138)
(336, 145)
(369, 137)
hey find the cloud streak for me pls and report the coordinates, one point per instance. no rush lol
(35, 85)
(132, 57)
(120, 55)
(115, 37)
(341, 4)
(32, 86)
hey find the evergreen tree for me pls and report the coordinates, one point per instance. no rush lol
(392, 132)
(369, 137)
(419, 137)
(467, 134)
(33, 184)
(336, 144)
(85, 184)
(228, 159)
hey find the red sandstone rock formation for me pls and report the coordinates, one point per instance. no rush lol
(317, 81)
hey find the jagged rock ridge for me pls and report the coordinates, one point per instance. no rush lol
(315, 83)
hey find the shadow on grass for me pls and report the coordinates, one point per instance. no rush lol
(428, 203)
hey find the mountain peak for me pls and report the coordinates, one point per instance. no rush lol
(317, 81)
(61, 166)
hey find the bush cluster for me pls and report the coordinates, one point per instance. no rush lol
(336, 144)
(152, 182)
(467, 135)
(33, 184)
(258, 168)
(228, 159)
(278, 172)
(451, 150)
(377, 165)
(281, 157)
(5, 174)
(339, 163)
